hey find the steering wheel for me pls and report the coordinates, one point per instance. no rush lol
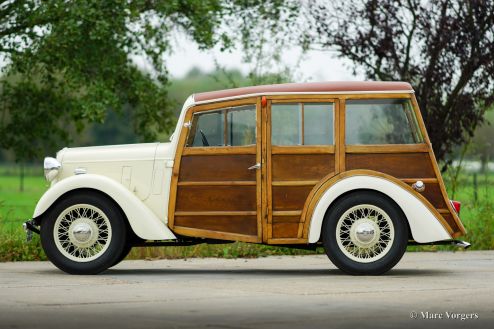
(204, 138)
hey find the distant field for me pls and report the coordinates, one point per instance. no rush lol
(16, 207)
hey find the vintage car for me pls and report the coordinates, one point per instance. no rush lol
(345, 165)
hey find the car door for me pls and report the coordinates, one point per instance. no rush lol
(216, 185)
(300, 138)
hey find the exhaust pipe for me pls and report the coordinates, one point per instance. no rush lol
(461, 244)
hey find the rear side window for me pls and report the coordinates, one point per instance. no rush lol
(302, 124)
(381, 121)
(233, 126)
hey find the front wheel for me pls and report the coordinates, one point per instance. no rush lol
(84, 233)
(365, 233)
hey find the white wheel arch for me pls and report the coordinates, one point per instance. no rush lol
(143, 221)
(424, 225)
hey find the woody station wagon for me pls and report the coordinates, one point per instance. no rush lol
(345, 165)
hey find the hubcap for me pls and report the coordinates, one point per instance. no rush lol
(365, 233)
(82, 232)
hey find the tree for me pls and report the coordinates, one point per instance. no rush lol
(69, 62)
(444, 48)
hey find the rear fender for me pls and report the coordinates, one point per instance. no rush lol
(424, 221)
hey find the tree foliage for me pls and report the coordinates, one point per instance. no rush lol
(444, 48)
(70, 62)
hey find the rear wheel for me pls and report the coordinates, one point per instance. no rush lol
(125, 252)
(365, 233)
(84, 233)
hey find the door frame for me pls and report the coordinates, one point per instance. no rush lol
(268, 149)
(183, 150)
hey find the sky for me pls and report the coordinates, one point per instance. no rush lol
(312, 66)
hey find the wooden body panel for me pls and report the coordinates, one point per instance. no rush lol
(213, 195)
(230, 167)
(216, 198)
(240, 224)
(301, 167)
(399, 165)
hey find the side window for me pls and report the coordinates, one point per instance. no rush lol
(381, 121)
(233, 126)
(302, 124)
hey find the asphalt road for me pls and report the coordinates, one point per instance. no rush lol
(272, 292)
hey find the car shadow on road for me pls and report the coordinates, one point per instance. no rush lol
(266, 272)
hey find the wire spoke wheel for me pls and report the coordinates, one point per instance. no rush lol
(365, 233)
(82, 232)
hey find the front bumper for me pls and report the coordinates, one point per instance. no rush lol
(30, 226)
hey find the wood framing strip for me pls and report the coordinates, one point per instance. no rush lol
(217, 183)
(420, 120)
(287, 213)
(259, 159)
(425, 180)
(222, 104)
(187, 231)
(219, 150)
(301, 98)
(176, 169)
(330, 97)
(392, 148)
(340, 123)
(302, 128)
(264, 170)
(303, 149)
(269, 173)
(294, 183)
(287, 241)
(215, 213)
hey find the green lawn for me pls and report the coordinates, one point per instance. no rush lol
(16, 207)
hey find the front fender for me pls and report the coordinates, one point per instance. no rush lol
(143, 221)
(424, 224)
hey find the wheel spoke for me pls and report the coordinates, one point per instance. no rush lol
(85, 245)
(372, 248)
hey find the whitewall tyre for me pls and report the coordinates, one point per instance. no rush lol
(365, 233)
(84, 233)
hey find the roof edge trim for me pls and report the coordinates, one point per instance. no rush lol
(214, 100)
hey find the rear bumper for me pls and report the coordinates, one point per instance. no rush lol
(453, 242)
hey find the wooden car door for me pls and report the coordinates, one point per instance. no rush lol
(300, 151)
(216, 183)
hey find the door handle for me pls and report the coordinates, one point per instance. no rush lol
(256, 166)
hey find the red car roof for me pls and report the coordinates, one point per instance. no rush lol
(308, 87)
